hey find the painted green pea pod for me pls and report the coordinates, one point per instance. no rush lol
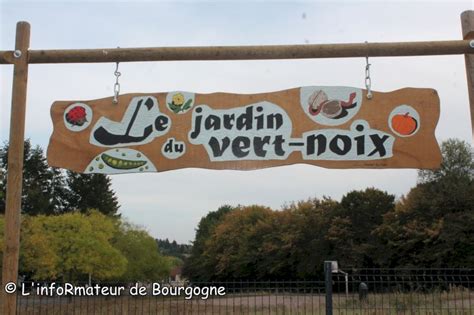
(121, 164)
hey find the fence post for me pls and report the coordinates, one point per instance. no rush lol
(328, 283)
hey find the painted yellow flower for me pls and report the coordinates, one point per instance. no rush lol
(178, 99)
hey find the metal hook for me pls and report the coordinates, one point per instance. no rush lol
(368, 80)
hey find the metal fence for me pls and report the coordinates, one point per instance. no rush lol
(241, 297)
(403, 291)
(351, 291)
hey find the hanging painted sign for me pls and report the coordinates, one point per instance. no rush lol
(334, 127)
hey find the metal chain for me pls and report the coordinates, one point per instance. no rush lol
(368, 80)
(117, 84)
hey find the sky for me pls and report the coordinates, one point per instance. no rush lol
(170, 205)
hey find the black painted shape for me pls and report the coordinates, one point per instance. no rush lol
(149, 103)
(344, 111)
(379, 145)
(296, 144)
(106, 138)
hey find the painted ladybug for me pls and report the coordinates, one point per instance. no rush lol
(76, 116)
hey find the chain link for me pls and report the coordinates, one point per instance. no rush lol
(368, 80)
(117, 84)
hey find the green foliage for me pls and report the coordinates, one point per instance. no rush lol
(50, 191)
(141, 251)
(258, 243)
(434, 224)
(233, 248)
(172, 262)
(91, 191)
(167, 248)
(44, 188)
(457, 163)
(303, 231)
(351, 230)
(70, 245)
(196, 265)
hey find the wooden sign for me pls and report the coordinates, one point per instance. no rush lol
(334, 127)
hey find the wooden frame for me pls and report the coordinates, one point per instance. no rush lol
(22, 57)
(454, 47)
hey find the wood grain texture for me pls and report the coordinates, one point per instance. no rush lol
(343, 50)
(467, 22)
(73, 150)
(15, 168)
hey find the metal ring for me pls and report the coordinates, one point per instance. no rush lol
(17, 53)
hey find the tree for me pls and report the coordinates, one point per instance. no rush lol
(144, 261)
(341, 237)
(71, 246)
(195, 266)
(234, 249)
(46, 190)
(457, 163)
(91, 191)
(305, 236)
(257, 243)
(74, 246)
(167, 248)
(354, 222)
(434, 224)
(43, 187)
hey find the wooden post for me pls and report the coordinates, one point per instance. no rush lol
(15, 167)
(467, 21)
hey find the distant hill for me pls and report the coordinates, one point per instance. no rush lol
(167, 248)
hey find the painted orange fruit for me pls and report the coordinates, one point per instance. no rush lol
(404, 124)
